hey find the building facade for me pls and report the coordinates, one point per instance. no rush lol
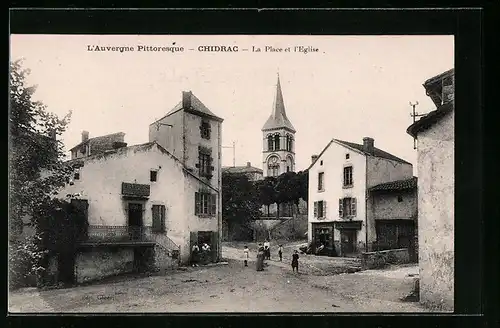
(339, 181)
(192, 133)
(278, 148)
(435, 146)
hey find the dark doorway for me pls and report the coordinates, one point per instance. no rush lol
(348, 242)
(66, 268)
(135, 220)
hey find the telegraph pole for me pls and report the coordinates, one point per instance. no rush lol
(414, 115)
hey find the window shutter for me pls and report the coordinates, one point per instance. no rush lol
(162, 216)
(213, 204)
(324, 208)
(197, 203)
(156, 218)
(341, 208)
(353, 206)
(315, 209)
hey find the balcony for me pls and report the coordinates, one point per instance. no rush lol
(116, 235)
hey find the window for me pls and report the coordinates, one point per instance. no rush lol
(289, 143)
(205, 130)
(270, 143)
(288, 168)
(347, 207)
(346, 156)
(321, 176)
(273, 166)
(277, 142)
(158, 218)
(320, 209)
(153, 175)
(348, 176)
(400, 199)
(205, 163)
(205, 204)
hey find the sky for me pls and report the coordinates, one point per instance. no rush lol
(352, 87)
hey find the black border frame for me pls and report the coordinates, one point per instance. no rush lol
(465, 24)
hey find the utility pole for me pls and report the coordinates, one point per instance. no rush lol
(234, 152)
(414, 114)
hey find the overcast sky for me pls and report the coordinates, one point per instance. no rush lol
(355, 86)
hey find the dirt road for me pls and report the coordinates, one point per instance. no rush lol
(226, 288)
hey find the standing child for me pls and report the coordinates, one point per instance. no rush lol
(295, 261)
(280, 252)
(245, 255)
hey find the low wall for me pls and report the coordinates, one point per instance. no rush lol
(291, 229)
(377, 260)
(163, 260)
(100, 263)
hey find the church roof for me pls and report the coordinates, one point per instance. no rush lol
(278, 118)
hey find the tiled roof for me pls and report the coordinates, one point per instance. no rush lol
(396, 185)
(196, 106)
(241, 169)
(376, 152)
(102, 143)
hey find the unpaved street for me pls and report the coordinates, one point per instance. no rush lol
(228, 288)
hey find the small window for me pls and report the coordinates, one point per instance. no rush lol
(76, 176)
(153, 175)
(321, 177)
(400, 199)
(205, 130)
(346, 156)
(321, 162)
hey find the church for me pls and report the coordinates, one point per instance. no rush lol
(278, 152)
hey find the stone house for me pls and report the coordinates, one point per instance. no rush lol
(434, 133)
(143, 197)
(393, 209)
(191, 132)
(253, 173)
(340, 178)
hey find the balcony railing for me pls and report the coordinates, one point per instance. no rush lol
(116, 234)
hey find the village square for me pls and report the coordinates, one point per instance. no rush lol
(163, 226)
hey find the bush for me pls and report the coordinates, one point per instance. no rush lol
(25, 262)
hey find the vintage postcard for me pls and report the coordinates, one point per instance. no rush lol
(231, 173)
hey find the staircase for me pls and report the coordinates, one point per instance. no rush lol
(167, 253)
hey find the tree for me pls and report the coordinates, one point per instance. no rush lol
(266, 191)
(302, 183)
(240, 203)
(36, 168)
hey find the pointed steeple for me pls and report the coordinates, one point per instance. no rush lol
(278, 118)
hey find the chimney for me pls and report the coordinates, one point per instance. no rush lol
(248, 164)
(85, 136)
(314, 158)
(186, 99)
(368, 145)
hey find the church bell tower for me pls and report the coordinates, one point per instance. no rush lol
(278, 152)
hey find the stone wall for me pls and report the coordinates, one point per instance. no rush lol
(436, 214)
(292, 229)
(100, 263)
(377, 260)
(163, 260)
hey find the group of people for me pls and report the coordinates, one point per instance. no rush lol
(200, 254)
(264, 253)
